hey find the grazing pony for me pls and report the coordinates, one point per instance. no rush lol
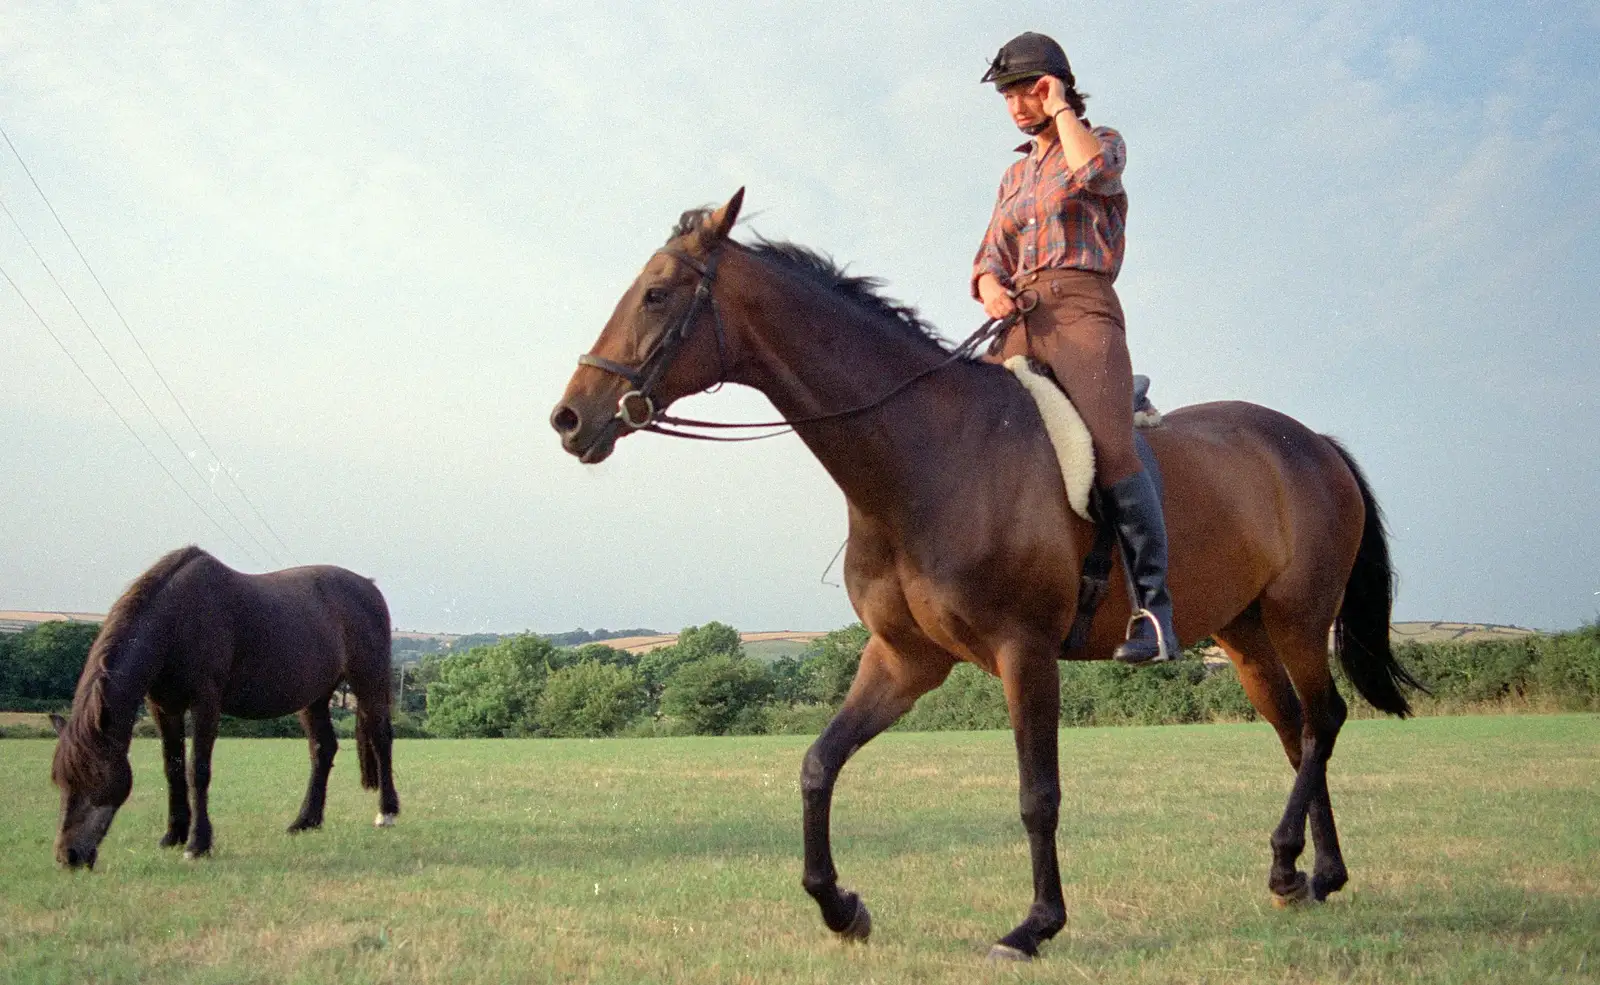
(193, 635)
(962, 545)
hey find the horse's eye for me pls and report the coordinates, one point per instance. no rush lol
(654, 296)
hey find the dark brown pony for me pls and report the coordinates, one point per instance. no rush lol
(193, 635)
(962, 546)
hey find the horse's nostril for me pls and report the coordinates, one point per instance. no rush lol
(565, 420)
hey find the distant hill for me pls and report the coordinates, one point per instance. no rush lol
(768, 645)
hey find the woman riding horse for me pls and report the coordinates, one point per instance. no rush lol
(1053, 247)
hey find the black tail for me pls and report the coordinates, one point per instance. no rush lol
(366, 748)
(1361, 633)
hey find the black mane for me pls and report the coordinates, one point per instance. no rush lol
(824, 271)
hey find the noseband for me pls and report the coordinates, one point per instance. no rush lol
(648, 375)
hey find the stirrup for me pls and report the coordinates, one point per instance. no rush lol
(1163, 653)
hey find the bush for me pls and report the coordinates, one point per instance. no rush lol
(588, 700)
(798, 719)
(715, 694)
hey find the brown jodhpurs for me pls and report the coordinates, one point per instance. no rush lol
(1076, 328)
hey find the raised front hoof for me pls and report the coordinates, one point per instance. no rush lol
(301, 824)
(384, 820)
(1297, 894)
(860, 926)
(1005, 952)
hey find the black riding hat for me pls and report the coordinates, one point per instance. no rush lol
(1029, 56)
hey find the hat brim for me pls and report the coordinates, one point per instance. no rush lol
(1012, 78)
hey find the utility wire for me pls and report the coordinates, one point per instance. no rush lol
(222, 466)
(139, 396)
(136, 436)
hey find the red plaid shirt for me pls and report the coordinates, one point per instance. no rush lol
(1049, 218)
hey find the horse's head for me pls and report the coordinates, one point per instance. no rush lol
(93, 785)
(663, 341)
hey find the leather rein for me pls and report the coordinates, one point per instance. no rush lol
(648, 374)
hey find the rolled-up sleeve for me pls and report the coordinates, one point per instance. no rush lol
(1102, 173)
(992, 257)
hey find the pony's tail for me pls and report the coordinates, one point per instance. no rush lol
(1361, 632)
(372, 706)
(366, 748)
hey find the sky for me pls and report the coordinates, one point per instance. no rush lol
(365, 243)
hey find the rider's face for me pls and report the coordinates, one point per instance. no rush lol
(1025, 103)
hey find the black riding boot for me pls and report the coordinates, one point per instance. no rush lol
(1136, 515)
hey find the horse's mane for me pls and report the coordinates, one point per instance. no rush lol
(80, 755)
(864, 292)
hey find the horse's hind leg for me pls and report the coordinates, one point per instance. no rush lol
(1303, 645)
(887, 684)
(375, 744)
(1267, 685)
(207, 712)
(315, 720)
(172, 760)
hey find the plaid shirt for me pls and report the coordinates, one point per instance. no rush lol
(1049, 218)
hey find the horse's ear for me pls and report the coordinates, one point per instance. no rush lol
(721, 221)
(58, 723)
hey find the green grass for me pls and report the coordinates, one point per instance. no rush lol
(1473, 845)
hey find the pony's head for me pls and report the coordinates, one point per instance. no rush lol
(94, 781)
(663, 341)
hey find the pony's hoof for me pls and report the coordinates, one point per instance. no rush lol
(1005, 952)
(860, 925)
(384, 821)
(191, 855)
(1298, 894)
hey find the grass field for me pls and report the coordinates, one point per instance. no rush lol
(1473, 845)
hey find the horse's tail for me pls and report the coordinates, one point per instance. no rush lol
(366, 748)
(1361, 632)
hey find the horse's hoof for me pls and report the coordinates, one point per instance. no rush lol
(190, 854)
(860, 925)
(1298, 894)
(1005, 952)
(384, 821)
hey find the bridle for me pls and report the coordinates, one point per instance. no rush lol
(649, 373)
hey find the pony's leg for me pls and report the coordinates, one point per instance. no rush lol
(1303, 647)
(207, 713)
(324, 744)
(1032, 683)
(885, 687)
(375, 743)
(172, 760)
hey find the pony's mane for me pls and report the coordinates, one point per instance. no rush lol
(80, 755)
(864, 292)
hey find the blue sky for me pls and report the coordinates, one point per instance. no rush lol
(365, 245)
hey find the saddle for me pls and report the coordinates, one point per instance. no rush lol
(1075, 454)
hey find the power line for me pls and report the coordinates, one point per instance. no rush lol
(136, 436)
(221, 465)
(137, 395)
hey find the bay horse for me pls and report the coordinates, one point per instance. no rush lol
(962, 546)
(193, 635)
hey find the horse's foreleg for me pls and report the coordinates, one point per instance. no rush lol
(324, 744)
(172, 760)
(885, 687)
(1033, 696)
(207, 713)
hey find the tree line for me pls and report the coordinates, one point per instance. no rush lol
(706, 684)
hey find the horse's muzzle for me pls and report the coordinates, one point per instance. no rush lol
(590, 445)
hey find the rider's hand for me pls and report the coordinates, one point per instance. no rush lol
(1052, 93)
(996, 302)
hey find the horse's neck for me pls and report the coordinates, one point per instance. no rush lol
(130, 669)
(812, 354)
